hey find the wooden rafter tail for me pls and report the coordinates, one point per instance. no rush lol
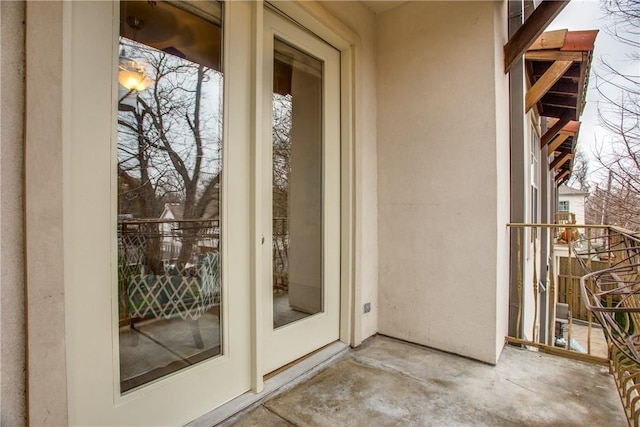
(562, 137)
(562, 177)
(555, 130)
(560, 160)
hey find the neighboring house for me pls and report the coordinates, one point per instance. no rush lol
(171, 242)
(572, 200)
(435, 128)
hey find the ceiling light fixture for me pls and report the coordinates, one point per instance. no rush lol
(132, 74)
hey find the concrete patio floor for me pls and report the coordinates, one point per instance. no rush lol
(386, 382)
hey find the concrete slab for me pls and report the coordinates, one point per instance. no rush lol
(389, 382)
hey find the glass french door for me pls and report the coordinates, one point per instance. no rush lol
(160, 210)
(301, 190)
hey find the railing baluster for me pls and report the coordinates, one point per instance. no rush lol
(570, 297)
(552, 291)
(519, 279)
(589, 315)
(535, 284)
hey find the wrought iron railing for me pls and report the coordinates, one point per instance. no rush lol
(596, 271)
(542, 285)
(613, 296)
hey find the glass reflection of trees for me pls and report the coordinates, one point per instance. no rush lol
(170, 139)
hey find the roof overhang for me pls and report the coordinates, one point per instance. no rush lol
(557, 66)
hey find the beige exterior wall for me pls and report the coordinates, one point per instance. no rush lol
(12, 314)
(46, 148)
(442, 167)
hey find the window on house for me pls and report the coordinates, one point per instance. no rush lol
(563, 206)
(169, 169)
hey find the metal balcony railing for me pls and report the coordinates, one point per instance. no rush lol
(613, 296)
(595, 270)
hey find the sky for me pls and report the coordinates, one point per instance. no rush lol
(587, 15)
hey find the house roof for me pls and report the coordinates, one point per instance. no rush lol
(565, 190)
(557, 66)
(176, 209)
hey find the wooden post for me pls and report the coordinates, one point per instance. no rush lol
(570, 293)
(552, 289)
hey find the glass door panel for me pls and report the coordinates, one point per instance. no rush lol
(169, 170)
(302, 174)
(297, 184)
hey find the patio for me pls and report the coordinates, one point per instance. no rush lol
(390, 382)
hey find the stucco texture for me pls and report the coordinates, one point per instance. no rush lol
(12, 316)
(438, 173)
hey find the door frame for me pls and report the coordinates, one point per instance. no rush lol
(312, 17)
(296, 339)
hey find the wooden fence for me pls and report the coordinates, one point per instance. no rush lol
(569, 285)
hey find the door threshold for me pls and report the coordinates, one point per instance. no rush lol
(280, 381)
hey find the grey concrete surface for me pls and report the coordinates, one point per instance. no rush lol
(387, 382)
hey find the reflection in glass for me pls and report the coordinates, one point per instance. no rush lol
(297, 184)
(169, 170)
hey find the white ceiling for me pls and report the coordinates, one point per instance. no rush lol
(379, 6)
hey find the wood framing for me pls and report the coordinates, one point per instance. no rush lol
(554, 55)
(550, 40)
(555, 129)
(542, 86)
(561, 160)
(530, 30)
(562, 137)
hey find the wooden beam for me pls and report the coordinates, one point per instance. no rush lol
(560, 160)
(553, 146)
(564, 87)
(545, 82)
(562, 101)
(530, 30)
(563, 176)
(555, 129)
(553, 55)
(550, 40)
(550, 111)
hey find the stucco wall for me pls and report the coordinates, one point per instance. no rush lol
(361, 20)
(12, 317)
(442, 147)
